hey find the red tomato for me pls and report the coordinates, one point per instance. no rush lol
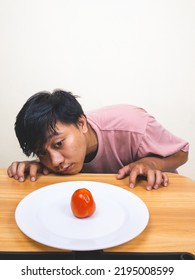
(82, 203)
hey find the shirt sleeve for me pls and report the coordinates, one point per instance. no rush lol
(159, 141)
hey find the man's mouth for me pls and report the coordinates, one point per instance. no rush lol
(66, 168)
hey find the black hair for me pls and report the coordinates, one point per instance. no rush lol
(39, 115)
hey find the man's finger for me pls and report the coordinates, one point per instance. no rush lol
(123, 172)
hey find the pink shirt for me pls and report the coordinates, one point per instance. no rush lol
(125, 134)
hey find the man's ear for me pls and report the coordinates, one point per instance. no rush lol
(82, 123)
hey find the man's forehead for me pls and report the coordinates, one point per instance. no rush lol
(55, 130)
(58, 129)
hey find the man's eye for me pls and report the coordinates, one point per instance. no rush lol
(41, 154)
(59, 144)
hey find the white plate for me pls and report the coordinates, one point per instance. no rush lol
(45, 216)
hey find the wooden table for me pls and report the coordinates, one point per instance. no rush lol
(171, 226)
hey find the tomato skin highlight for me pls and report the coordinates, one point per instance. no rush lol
(82, 203)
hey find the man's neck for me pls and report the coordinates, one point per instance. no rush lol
(92, 148)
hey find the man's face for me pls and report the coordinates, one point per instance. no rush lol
(65, 151)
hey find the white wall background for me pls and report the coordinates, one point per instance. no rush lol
(107, 51)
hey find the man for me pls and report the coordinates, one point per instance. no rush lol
(120, 139)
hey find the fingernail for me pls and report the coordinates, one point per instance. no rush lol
(155, 187)
(32, 179)
(131, 185)
(149, 188)
(16, 177)
(21, 179)
(165, 184)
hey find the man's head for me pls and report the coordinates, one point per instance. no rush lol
(37, 119)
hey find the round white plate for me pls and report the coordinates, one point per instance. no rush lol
(45, 216)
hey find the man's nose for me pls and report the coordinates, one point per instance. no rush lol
(56, 158)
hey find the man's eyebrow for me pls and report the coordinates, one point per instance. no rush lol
(52, 134)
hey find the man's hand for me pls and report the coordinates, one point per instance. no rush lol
(146, 168)
(18, 170)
